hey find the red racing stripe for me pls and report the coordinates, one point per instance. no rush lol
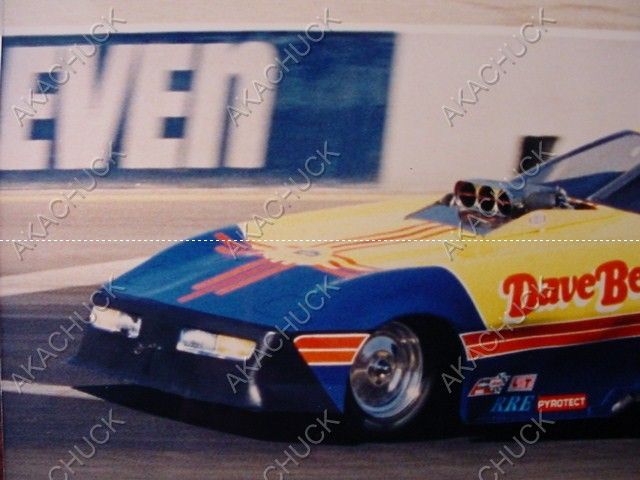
(553, 328)
(255, 276)
(330, 341)
(494, 343)
(330, 349)
(319, 357)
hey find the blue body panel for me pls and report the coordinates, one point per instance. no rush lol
(378, 296)
(605, 372)
(359, 304)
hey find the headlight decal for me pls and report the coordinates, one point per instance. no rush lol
(115, 321)
(200, 342)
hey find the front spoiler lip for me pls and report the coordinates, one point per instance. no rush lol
(281, 383)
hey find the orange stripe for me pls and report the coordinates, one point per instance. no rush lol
(417, 229)
(225, 249)
(324, 356)
(350, 261)
(358, 245)
(260, 244)
(561, 338)
(191, 296)
(443, 230)
(253, 270)
(355, 264)
(320, 342)
(553, 328)
(380, 235)
(242, 269)
(223, 237)
(265, 266)
(253, 278)
(565, 340)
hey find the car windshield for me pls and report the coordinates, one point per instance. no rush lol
(586, 170)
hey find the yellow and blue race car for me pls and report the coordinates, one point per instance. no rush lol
(499, 301)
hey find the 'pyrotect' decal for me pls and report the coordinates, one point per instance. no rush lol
(562, 403)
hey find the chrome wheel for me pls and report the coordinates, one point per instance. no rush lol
(387, 375)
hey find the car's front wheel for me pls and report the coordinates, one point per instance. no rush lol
(393, 380)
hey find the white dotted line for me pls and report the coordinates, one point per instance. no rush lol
(394, 240)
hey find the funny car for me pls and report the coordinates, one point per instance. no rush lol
(497, 301)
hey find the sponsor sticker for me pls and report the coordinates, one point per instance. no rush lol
(489, 385)
(513, 404)
(522, 383)
(562, 403)
(608, 286)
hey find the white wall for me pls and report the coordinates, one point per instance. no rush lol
(576, 84)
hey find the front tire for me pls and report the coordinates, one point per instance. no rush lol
(394, 381)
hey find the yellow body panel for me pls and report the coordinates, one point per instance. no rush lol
(569, 252)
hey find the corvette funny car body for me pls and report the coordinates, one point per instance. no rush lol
(500, 299)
